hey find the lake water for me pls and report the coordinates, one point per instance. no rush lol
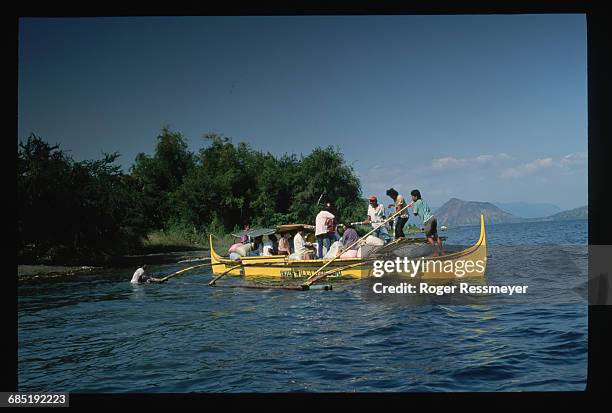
(99, 333)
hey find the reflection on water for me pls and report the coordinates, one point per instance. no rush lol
(99, 333)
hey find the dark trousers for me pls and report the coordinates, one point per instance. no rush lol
(399, 227)
(330, 237)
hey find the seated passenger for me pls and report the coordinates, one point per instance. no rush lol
(234, 246)
(247, 249)
(303, 250)
(258, 248)
(349, 237)
(270, 246)
(283, 244)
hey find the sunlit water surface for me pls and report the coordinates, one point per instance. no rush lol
(99, 333)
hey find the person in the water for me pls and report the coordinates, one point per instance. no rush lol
(139, 276)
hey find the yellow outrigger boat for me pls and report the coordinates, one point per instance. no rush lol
(279, 266)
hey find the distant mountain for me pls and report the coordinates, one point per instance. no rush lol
(457, 212)
(528, 210)
(576, 213)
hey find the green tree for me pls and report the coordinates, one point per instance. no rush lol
(160, 176)
(71, 209)
(89, 207)
(324, 174)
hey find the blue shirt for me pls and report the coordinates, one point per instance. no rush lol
(421, 209)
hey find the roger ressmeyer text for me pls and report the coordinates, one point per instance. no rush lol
(439, 270)
(462, 288)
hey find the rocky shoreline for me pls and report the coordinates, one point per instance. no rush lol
(51, 271)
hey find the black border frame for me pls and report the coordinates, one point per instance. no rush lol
(599, 150)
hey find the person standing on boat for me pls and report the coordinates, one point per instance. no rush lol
(430, 223)
(376, 215)
(400, 221)
(325, 229)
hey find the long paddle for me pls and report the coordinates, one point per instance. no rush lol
(309, 280)
(174, 274)
(214, 280)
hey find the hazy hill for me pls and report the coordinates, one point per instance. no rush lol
(576, 213)
(528, 210)
(457, 212)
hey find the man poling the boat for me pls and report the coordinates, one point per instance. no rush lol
(401, 219)
(376, 214)
(422, 210)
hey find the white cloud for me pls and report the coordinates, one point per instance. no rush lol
(577, 158)
(450, 162)
(528, 168)
(481, 177)
(494, 158)
(568, 163)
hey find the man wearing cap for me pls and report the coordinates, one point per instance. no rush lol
(376, 215)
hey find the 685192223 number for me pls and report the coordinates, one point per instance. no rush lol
(34, 399)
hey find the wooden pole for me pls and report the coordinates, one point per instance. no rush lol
(309, 280)
(174, 274)
(214, 280)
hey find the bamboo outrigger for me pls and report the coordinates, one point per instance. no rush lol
(279, 266)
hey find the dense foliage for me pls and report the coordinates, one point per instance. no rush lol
(68, 208)
(80, 209)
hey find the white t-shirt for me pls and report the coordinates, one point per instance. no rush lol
(137, 275)
(299, 244)
(376, 215)
(268, 248)
(320, 227)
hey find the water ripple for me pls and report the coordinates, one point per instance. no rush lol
(98, 333)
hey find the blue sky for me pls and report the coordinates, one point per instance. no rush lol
(487, 108)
